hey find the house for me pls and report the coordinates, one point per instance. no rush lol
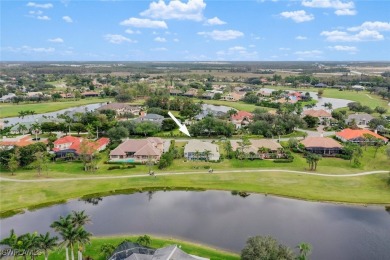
(192, 92)
(320, 85)
(34, 94)
(208, 95)
(361, 120)
(121, 108)
(259, 149)
(67, 95)
(322, 145)
(196, 150)
(154, 118)
(357, 135)
(241, 118)
(175, 92)
(233, 96)
(321, 114)
(138, 150)
(216, 111)
(134, 251)
(77, 145)
(7, 98)
(20, 141)
(90, 94)
(358, 87)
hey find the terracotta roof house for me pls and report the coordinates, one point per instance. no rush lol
(357, 135)
(70, 144)
(195, 150)
(242, 118)
(138, 150)
(361, 120)
(322, 145)
(192, 92)
(20, 141)
(175, 92)
(67, 95)
(121, 108)
(321, 114)
(90, 94)
(259, 149)
(233, 96)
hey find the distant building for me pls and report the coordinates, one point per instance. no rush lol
(233, 96)
(259, 149)
(133, 251)
(321, 114)
(357, 135)
(361, 120)
(138, 150)
(196, 150)
(90, 94)
(154, 118)
(320, 85)
(7, 98)
(242, 118)
(322, 145)
(121, 108)
(358, 87)
(20, 141)
(73, 145)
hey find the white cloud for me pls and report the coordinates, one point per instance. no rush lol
(298, 16)
(343, 48)
(144, 23)
(44, 17)
(67, 19)
(342, 8)
(129, 31)
(159, 49)
(44, 6)
(301, 38)
(284, 49)
(56, 40)
(222, 35)
(28, 49)
(117, 38)
(176, 40)
(364, 35)
(37, 12)
(192, 10)
(374, 26)
(345, 12)
(214, 21)
(309, 54)
(237, 53)
(160, 39)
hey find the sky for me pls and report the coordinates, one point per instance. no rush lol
(195, 30)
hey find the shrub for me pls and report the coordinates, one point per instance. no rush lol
(116, 167)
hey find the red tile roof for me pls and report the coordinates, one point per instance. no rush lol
(24, 141)
(66, 139)
(317, 113)
(92, 146)
(241, 115)
(349, 134)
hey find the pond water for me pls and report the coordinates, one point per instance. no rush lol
(220, 219)
(32, 118)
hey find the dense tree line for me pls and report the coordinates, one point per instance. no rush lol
(211, 126)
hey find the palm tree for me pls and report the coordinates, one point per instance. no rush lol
(261, 151)
(82, 238)
(207, 154)
(197, 154)
(252, 155)
(61, 226)
(47, 243)
(228, 149)
(30, 243)
(22, 129)
(79, 218)
(107, 250)
(11, 241)
(304, 250)
(36, 127)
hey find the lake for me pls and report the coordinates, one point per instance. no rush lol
(219, 219)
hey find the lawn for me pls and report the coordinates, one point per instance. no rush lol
(364, 97)
(360, 189)
(93, 250)
(12, 110)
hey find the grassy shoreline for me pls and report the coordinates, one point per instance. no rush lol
(12, 110)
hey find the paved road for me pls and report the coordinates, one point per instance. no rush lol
(196, 172)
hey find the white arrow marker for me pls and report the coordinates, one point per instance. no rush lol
(182, 127)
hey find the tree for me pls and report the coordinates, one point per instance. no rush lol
(242, 145)
(11, 240)
(14, 161)
(47, 243)
(207, 154)
(168, 124)
(304, 250)
(144, 240)
(40, 162)
(147, 128)
(107, 249)
(117, 133)
(232, 112)
(61, 226)
(36, 128)
(311, 121)
(228, 149)
(22, 129)
(320, 92)
(312, 159)
(258, 248)
(381, 110)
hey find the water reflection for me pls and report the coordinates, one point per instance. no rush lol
(220, 219)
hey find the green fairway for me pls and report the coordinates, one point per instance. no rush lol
(93, 250)
(364, 97)
(11, 110)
